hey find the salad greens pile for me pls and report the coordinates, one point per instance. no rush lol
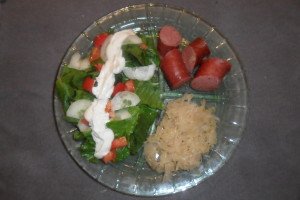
(69, 88)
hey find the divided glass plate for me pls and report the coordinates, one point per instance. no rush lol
(133, 176)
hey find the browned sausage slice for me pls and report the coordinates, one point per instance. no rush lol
(169, 38)
(210, 74)
(194, 53)
(174, 70)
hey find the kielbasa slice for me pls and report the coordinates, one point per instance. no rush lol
(174, 70)
(193, 54)
(169, 38)
(210, 74)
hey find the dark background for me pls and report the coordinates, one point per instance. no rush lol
(34, 36)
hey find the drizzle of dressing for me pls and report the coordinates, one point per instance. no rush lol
(95, 114)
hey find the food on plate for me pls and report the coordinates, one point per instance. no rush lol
(169, 38)
(112, 96)
(186, 132)
(210, 74)
(193, 54)
(174, 70)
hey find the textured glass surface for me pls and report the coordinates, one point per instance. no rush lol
(133, 176)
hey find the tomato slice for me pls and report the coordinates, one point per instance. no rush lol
(110, 157)
(99, 39)
(129, 86)
(118, 88)
(88, 84)
(95, 54)
(119, 142)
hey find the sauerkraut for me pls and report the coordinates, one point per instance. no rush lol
(186, 132)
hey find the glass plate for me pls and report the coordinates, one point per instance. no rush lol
(133, 176)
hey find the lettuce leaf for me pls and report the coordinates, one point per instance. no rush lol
(65, 93)
(69, 85)
(122, 153)
(149, 93)
(136, 128)
(125, 127)
(136, 56)
(142, 129)
(87, 147)
(81, 94)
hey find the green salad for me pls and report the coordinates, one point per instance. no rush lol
(132, 104)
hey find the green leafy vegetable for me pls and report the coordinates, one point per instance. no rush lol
(149, 93)
(135, 56)
(148, 40)
(151, 56)
(64, 92)
(122, 153)
(78, 136)
(135, 128)
(121, 78)
(81, 94)
(72, 120)
(125, 127)
(73, 77)
(133, 50)
(69, 85)
(87, 147)
(141, 131)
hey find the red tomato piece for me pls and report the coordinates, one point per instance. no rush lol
(99, 39)
(119, 142)
(129, 86)
(88, 84)
(118, 88)
(95, 54)
(110, 157)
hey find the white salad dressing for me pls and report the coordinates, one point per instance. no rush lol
(95, 114)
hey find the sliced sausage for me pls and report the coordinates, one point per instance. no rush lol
(193, 54)
(174, 69)
(169, 38)
(210, 74)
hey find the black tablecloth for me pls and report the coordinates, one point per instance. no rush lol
(34, 36)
